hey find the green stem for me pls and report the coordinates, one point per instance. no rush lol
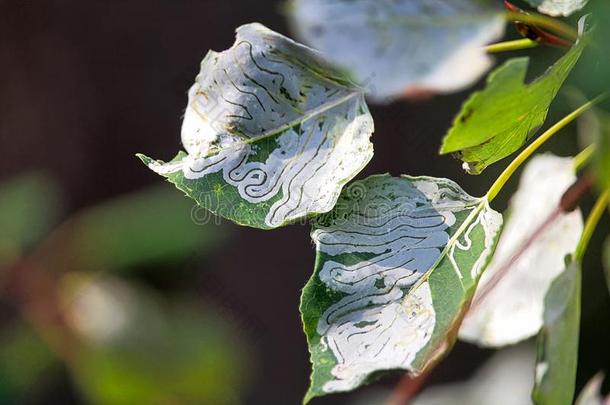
(583, 157)
(591, 224)
(542, 21)
(527, 152)
(514, 45)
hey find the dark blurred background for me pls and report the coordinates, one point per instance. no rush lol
(84, 85)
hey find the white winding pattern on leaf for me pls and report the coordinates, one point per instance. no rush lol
(513, 310)
(267, 89)
(394, 46)
(387, 315)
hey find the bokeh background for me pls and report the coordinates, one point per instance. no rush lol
(111, 292)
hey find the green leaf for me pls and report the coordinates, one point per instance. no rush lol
(558, 339)
(132, 230)
(558, 7)
(498, 120)
(513, 309)
(29, 207)
(397, 261)
(397, 47)
(271, 132)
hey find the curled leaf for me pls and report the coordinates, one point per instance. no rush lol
(271, 132)
(513, 309)
(395, 47)
(397, 261)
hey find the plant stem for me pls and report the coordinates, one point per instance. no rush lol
(591, 224)
(527, 152)
(407, 388)
(583, 157)
(514, 45)
(542, 21)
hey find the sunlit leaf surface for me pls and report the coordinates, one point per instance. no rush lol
(397, 260)
(498, 120)
(396, 47)
(558, 7)
(558, 339)
(271, 132)
(513, 309)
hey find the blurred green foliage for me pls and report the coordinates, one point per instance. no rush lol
(24, 357)
(29, 207)
(142, 228)
(160, 352)
(135, 346)
(593, 73)
(607, 261)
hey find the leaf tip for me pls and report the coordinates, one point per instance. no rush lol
(145, 159)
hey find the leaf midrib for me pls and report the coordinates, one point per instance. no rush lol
(277, 131)
(452, 240)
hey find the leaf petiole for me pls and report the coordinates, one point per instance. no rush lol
(542, 21)
(528, 151)
(514, 45)
(591, 224)
(583, 157)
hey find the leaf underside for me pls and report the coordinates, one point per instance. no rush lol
(397, 261)
(271, 132)
(394, 47)
(558, 339)
(497, 121)
(513, 309)
(557, 8)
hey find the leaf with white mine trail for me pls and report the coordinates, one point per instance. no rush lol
(397, 47)
(513, 309)
(397, 262)
(272, 133)
(558, 8)
(498, 120)
(558, 340)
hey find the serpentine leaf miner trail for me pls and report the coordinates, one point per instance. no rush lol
(397, 261)
(272, 133)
